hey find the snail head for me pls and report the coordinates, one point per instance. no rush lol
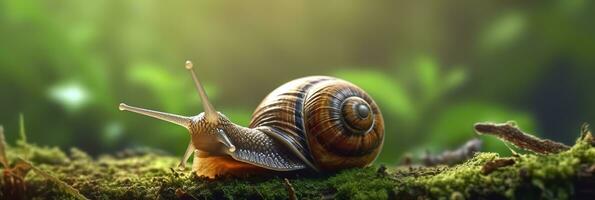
(204, 128)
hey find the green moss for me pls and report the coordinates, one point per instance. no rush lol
(148, 176)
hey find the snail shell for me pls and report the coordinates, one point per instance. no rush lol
(328, 121)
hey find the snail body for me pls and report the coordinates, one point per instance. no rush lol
(320, 123)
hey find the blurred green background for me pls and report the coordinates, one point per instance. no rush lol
(435, 68)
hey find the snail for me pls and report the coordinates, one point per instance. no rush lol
(319, 123)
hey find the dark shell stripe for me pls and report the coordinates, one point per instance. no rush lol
(299, 108)
(277, 113)
(282, 112)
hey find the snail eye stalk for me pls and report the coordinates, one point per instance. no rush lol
(210, 112)
(172, 118)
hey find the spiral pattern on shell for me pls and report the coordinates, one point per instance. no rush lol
(330, 122)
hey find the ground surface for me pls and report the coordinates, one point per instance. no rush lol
(148, 175)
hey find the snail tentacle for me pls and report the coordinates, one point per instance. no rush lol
(172, 118)
(210, 112)
(222, 137)
(189, 151)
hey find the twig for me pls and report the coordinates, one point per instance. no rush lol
(509, 132)
(14, 178)
(290, 190)
(586, 134)
(258, 192)
(407, 160)
(183, 195)
(61, 184)
(22, 132)
(585, 129)
(493, 165)
(3, 158)
(456, 156)
(381, 172)
(22, 141)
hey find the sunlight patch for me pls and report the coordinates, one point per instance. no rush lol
(72, 96)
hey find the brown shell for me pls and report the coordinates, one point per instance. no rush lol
(317, 117)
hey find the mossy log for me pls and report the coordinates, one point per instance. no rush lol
(149, 175)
